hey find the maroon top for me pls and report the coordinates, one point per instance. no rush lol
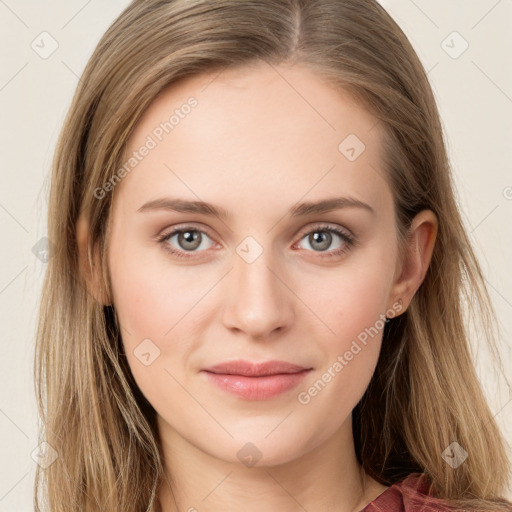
(408, 495)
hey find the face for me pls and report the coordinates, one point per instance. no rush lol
(264, 278)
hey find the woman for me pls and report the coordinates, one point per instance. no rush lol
(257, 293)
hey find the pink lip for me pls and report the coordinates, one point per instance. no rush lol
(249, 369)
(256, 381)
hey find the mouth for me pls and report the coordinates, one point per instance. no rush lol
(252, 369)
(256, 381)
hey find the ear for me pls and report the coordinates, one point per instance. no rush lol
(90, 269)
(412, 268)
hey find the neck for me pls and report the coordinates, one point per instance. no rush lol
(328, 477)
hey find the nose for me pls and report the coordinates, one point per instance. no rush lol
(258, 298)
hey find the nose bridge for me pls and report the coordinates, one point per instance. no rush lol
(257, 302)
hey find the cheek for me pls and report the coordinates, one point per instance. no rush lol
(156, 335)
(351, 300)
(152, 297)
(352, 303)
(155, 308)
(357, 317)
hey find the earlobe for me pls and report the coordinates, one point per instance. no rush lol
(416, 260)
(90, 272)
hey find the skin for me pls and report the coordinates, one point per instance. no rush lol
(260, 140)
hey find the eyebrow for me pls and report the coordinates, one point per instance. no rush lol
(298, 210)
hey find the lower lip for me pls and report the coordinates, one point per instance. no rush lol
(257, 388)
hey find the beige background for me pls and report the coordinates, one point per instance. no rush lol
(474, 92)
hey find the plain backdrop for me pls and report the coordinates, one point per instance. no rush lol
(466, 47)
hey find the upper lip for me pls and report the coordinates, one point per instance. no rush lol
(251, 369)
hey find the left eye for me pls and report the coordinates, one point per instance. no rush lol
(190, 239)
(320, 239)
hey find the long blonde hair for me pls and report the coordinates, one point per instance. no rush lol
(424, 394)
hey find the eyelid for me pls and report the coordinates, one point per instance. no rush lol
(191, 226)
(325, 226)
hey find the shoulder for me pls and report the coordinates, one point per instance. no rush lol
(408, 495)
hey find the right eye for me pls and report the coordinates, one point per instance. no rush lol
(188, 239)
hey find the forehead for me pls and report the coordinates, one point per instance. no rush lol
(267, 129)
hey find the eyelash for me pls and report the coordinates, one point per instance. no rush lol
(349, 240)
